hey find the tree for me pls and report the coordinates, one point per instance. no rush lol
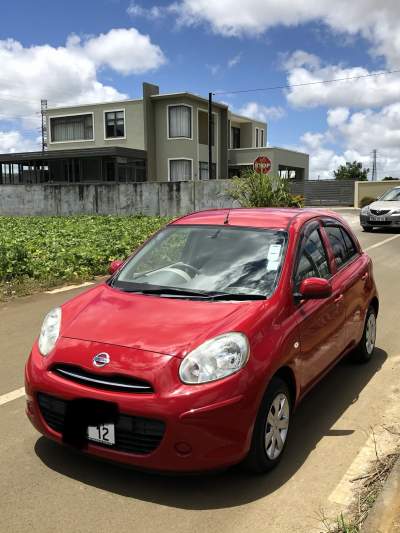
(253, 189)
(389, 178)
(351, 171)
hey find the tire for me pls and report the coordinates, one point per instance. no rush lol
(368, 229)
(365, 348)
(261, 457)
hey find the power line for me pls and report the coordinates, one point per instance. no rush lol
(289, 86)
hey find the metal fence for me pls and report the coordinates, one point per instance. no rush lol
(324, 192)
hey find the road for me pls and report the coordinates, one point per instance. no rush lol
(47, 488)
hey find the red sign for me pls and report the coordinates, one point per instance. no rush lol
(262, 164)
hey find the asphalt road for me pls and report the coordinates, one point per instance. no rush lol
(44, 487)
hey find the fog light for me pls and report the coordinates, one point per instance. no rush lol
(183, 448)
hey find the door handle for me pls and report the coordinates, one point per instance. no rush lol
(338, 299)
(364, 277)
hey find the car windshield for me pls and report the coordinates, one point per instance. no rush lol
(207, 261)
(391, 196)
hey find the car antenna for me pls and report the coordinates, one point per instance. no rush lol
(226, 221)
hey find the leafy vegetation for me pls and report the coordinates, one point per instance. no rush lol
(50, 250)
(366, 200)
(253, 189)
(351, 171)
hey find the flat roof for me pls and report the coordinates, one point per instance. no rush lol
(187, 95)
(110, 151)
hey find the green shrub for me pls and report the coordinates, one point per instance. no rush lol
(366, 200)
(263, 190)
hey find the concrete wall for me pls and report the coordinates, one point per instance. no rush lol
(372, 189)
(166, 199)
(134, 125)
(163, 198)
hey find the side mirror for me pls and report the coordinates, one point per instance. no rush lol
(314, 289)
(114, 266)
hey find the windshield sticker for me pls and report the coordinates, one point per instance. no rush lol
(274, 253)
(272, 265)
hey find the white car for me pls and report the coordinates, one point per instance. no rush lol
(384, 212)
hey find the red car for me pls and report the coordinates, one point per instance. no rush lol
(196, 351)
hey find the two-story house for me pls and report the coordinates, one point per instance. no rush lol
(160, 137)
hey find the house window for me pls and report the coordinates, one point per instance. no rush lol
(203, 171)
(73, 128)
(179, 122)
(180, 169)
(257, 137)
(235, 136)
(114, 124)
(262, 138)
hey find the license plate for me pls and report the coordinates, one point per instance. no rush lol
(104, 433)
(377, 219)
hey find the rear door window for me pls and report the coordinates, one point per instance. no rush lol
(342, 245)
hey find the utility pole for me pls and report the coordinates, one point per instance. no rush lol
(210, 127)
(374, 169)
(43, 108)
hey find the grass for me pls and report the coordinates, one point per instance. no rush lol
(37, 253)
(369, 488)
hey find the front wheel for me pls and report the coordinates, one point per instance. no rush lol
(365, 349)
(271, 428)
(368, 229)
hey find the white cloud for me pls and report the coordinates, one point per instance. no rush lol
(358, 134)
(375, 21)
(152, 13)
(261, 112)
(337, 116)
(304, 68)
(68, 74)
(234, 61)
(13, 141)
(126, 51)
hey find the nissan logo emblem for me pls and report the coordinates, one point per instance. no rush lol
(101, 359)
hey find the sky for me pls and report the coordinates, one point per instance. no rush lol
(102, 50)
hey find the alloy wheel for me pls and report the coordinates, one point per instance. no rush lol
(370, 334)
(276, 427)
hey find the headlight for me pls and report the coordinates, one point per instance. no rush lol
(365, 209)
(50, 331)
(395, 212)
(215, 359)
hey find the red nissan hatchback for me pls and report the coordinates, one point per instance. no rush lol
(196, 351)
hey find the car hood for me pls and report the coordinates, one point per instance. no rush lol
(168, 326)
(384, 205)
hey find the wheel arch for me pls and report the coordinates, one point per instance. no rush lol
(288, 376)
(375, 304)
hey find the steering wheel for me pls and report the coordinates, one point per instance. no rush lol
(192, 270)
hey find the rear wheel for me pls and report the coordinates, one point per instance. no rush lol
(368, 228)
(271, 428)
(365, 349)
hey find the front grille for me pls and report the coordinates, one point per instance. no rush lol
(133, 434)
(380, 212)
(114, 382)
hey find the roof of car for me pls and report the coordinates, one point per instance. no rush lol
(253, 217)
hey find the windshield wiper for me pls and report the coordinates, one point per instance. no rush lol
(172, 291)
(236, 296)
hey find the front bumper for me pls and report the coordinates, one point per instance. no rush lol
(206, 427)
(367, 219)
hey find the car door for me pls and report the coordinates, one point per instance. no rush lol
(321, 322)
(351, 275)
